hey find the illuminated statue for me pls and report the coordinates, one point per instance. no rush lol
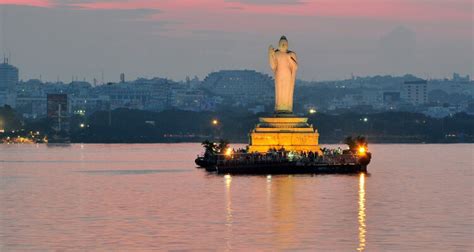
(284, 129)
(284, 65)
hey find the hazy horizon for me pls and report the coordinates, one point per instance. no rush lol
(174, 39)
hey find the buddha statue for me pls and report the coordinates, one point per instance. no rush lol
(284, 65)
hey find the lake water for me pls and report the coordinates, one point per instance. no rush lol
(145, 197)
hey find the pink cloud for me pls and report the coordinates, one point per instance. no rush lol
(402, 9)
(36, 3)
(225, 15)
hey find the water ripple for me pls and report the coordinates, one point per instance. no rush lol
(130, 172)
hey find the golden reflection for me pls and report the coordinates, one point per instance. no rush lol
(269, 193)
(283, 210)
(228, 180)
(228, 208)
(362, 216)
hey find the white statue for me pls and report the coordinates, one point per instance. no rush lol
(284, 65)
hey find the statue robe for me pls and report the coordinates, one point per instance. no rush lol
(284, 66)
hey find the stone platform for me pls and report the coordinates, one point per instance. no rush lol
(290, 132)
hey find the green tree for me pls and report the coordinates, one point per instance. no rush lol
(209, 148)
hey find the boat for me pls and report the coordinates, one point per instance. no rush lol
(287, 162)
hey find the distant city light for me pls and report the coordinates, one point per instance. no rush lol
(215, 122)
(312, 111)
(366, 119)
(82, 125)
(81, 112)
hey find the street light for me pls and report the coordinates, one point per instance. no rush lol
(82, 125)
(312, 111)
(215, 122)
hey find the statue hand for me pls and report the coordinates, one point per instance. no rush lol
(271, 50)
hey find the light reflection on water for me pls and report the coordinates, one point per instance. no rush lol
(228, 208)
(284, 211)
(362, 216)
(144, 197)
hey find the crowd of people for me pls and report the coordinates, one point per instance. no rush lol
(326, 156)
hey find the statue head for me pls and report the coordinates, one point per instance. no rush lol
(283, 44)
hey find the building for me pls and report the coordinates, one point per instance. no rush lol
(8, 81)
(391, 99)
(57, 111)
(458, 77)
(415, 92)
(31, 107)
(241, 87)
(88, 105)
(8, 76)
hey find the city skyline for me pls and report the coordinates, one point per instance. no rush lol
(123, 78)
(175, 39)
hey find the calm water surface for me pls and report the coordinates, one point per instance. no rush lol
(145, 197)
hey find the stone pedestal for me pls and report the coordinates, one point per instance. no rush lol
(289, 132)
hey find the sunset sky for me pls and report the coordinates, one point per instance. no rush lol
(176, 38)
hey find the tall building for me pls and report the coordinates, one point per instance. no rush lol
(8, 76)
(8, 81)
(415, 92)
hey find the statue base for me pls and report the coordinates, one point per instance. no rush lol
(289, 132)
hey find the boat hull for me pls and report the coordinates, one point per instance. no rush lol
(289, 168)
(203, 163)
